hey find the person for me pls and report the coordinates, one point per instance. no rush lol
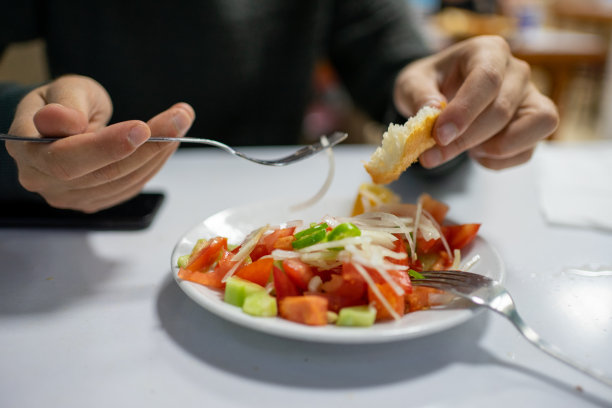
(124, 71)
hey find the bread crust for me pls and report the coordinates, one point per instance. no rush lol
(413, 138)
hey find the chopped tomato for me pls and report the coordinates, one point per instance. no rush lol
(419, 298)
(211, 278)
(283, 286)
(442, 262)
(349, 284)
(310, 310)
(284, 243)
(203, 278)
(395, 301)
(436, 208)
(400, 247)
(265, 246)
(458, 236)
(258, 272)
(336, 302)
(427, 246)
(299, 272)
(208, 255)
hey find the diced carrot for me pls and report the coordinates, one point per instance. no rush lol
(310, 310)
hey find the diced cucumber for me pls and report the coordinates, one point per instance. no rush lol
(356, 316)
(237, 290)
(183, 261)
(260, 304)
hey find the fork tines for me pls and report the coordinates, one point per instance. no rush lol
(449, 278)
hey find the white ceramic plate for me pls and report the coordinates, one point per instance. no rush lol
(236, 223)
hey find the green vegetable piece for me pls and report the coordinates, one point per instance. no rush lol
(311, 230)
(344, 230)
(356, 316)
(260, 304)
(183, 261)
(237, 290)
(309, 236)
(414, 274)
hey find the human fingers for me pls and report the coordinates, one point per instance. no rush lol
(82, 97)
(417, 86)
(98, 197)
(500, 164)
(72, 157)
(23, 123)
(479, 67)
(491, 120)
(535, 120)
(69, 105)
(174, 122)
(118, 180)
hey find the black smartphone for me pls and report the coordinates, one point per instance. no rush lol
(134, 214)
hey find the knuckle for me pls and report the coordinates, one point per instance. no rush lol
(492, 76)
(504, 109)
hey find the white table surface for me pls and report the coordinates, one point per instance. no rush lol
(94, 319)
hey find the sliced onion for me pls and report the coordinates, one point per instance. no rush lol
(442, 237)
(314, 283)
(280, 254)
(456, 259)
(245, 250)
(366, 276)
(468, 265)
(373, 258)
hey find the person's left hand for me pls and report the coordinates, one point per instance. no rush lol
(494, 111)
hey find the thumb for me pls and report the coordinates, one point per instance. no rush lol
(415, 89)
(58, 120)
(74, 104)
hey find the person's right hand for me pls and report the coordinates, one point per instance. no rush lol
(94, 166)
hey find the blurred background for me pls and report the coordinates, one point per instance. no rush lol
(566, 42)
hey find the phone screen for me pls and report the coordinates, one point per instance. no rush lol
(134, 214)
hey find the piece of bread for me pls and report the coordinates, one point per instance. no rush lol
(402, 145)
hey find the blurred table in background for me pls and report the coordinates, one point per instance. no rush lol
(563, 54)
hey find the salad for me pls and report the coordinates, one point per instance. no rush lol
(349, 271)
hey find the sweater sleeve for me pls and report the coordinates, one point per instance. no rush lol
(370, 42)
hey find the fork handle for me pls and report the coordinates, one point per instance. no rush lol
(209, 142)
(552, 350)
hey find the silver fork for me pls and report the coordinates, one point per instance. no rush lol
(486, 292)
(300, 154)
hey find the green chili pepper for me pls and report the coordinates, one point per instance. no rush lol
(344, 230)
(414, 274)
(313, 228)
(309, 236)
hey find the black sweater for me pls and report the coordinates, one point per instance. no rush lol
(244, 65)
